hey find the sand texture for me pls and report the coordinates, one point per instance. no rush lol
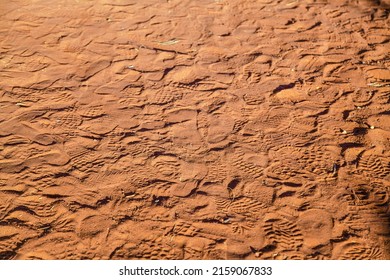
(194, 129)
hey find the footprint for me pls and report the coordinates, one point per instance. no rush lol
(381, 75)
(243, 227)
(220, 128)
(274, 117)
(168, 166)
(287, 171)
(12, 238)
(180, 115)
(316, 226)
(184, 189)
(217, 172)
(297, 164)
(40, 206)
(92, 112)
(86, 161)
(99, 126)
(241, 213)
(5, 202)
(194, 79)
(362, 97)
(254, 71)
(138, 147)
(186, 76)
(321, 161)
(301, 126)
(291, 96)
(54, 157)
(199, 248)
(183, 227)
(380, 193)
(357, 249)
(163, 96)
(67, 120)
(256, 191)
(282, 233)
(274, 141)
(253, 96)
(93, 225)
(367, 208)
(116, 136)
(311, 64)
(374, 165)
(158, 248)
(64, 223)
(247, 206)
(202, 122)
(55, 246)
(186, 135)
(193, 171)
(248, 163)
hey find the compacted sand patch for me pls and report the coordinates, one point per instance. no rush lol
(208, 129)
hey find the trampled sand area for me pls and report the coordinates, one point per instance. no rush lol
(183, 129)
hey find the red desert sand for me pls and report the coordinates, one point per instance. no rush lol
(194, 129)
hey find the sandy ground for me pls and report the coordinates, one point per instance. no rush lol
(207, 129)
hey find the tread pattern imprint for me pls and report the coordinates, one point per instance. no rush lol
(188, 129)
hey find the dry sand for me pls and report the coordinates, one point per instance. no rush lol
(211, 129)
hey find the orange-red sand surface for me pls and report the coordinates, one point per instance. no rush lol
(194, 129)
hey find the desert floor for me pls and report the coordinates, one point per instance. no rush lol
(194, 129)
